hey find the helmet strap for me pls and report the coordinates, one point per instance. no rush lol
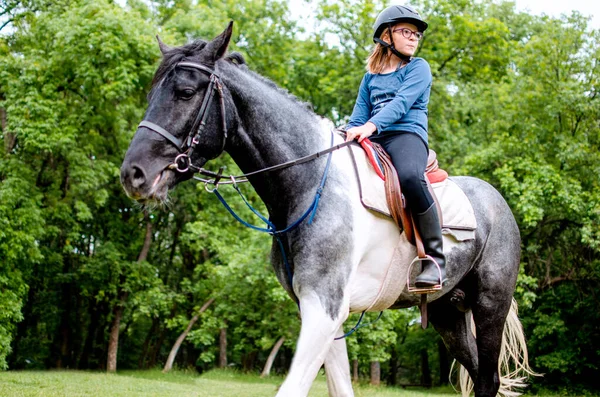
(391, 46)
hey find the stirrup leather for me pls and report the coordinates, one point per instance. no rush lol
(425, 290)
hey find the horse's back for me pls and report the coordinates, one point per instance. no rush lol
(497, 232)
(490, 208)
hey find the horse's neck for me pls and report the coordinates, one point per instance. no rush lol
(273, 129)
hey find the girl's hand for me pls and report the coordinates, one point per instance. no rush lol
(361, 132)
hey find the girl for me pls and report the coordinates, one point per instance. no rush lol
(391, 108)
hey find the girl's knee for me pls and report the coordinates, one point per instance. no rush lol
(410, 180)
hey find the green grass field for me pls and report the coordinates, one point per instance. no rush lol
(178, 383)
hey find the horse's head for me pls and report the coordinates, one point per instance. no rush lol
(186, 122)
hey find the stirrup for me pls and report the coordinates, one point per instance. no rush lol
(425, 290)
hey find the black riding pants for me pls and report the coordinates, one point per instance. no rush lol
(409, 155)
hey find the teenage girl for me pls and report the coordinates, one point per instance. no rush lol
(391, 109)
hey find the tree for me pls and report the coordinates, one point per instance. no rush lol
(69, 109)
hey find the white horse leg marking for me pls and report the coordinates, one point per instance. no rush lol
(337, 368)
(316, 337)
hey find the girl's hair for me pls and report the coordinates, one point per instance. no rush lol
(380, 56)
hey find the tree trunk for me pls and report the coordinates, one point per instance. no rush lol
(425, 371)
(375, 373)
(65, 327)
(223, 348)
(267, 370)
(147, 240)
(248, 361)
(444, 363)
(113, 342)
(65, 338)
(181, 338)
(355, 370)
(157, 347)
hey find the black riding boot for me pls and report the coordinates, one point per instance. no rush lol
(428, 225)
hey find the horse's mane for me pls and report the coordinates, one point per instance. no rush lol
(175, 55)
(237, 59)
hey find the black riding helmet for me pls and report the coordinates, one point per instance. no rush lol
(391, 16)
(396, 14)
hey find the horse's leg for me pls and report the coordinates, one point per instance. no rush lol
(489, 313)
(316, 337)
(455, 329)
(496, 278)
(337, 368)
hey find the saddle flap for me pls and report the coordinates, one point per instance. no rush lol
(386, 198)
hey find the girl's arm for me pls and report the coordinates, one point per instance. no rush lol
(362, 106)
(416, 82)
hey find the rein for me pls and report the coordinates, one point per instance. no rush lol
(217, 176)
(270, 227)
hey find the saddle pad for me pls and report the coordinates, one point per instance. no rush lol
(457, 212)
(370, 185)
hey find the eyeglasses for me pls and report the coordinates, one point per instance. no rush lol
(406, 33)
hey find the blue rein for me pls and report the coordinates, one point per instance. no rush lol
(271, 229)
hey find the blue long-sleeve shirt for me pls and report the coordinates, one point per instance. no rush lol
(395, 101)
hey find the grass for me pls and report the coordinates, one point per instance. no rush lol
(177, 383)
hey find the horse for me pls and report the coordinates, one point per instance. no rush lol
(205, 101)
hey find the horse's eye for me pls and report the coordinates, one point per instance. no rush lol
(185, 94)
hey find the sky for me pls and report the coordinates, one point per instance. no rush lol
(557, 7)
(552, 8)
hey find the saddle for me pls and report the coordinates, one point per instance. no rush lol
(393, 192)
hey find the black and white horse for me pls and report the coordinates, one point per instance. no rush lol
(203, 102)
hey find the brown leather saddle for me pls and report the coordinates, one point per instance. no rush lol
(396, 201)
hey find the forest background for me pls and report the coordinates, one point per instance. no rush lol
(88, 279)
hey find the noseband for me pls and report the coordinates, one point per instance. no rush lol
(183, 162)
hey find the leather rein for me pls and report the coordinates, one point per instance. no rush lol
(183, 163)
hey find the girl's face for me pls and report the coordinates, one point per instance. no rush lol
(406, 38)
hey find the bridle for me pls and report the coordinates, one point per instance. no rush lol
(183, 163)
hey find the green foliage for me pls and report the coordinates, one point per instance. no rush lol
(72, 84)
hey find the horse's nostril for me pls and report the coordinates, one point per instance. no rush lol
(138, 177)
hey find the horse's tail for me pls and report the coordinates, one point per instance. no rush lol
(513, 364)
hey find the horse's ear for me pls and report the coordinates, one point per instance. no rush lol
(163, 47)
(218, 46)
